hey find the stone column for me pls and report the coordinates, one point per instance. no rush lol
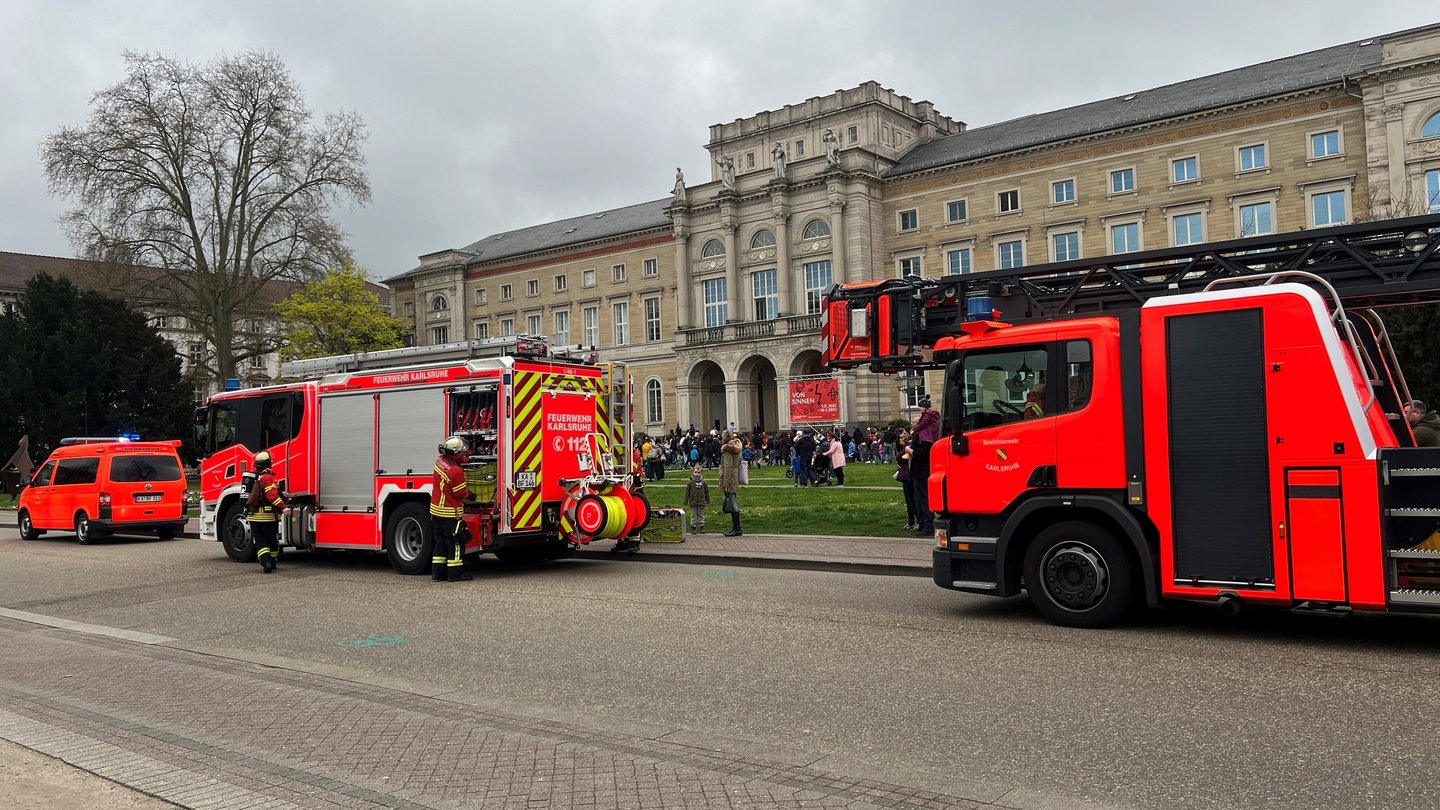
(732, 265)
(838, 242)
(1400, 191)
(684, 286)
(781, 216)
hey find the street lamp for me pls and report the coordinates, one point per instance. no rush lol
(910, 382)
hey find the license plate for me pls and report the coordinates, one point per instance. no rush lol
(525, 480)
(148, 498)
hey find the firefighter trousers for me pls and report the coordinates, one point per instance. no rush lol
(446, 560)
(266, 534)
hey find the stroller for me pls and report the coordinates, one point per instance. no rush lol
(820, 470)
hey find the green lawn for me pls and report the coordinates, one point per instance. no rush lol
(772, 505)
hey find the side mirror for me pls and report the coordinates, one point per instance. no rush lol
(960, 445)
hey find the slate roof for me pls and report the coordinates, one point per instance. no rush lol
(1314, 69)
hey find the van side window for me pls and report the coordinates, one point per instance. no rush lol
(76, 471)
(1078, 374)
(42, 478)
(131, 469)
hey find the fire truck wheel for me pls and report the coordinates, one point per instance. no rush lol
(235, 536)
(1079, 575)
(407, 538)
(27, 528)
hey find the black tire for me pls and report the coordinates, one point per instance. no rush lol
(408, 540)
(1079, 575)
(167, 534)
(235, 535)
(83, 530)
(27, 527)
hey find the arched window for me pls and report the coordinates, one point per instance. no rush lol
(654, 402)
(1432, 127)
(439, 304)
(712, 249)
(762, 239)
(816, 229)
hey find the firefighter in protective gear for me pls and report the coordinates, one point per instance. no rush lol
(447, 505)
(262, 510)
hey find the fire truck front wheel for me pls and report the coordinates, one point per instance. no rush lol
(234, 536)
(1079, 575)
(407, 538)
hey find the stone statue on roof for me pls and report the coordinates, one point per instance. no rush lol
(777, 155)
(727, 172)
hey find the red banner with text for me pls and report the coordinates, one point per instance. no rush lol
(815, 400)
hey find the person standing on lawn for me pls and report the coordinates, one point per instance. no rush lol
(697, 497)
(730, 479)
(836, 451)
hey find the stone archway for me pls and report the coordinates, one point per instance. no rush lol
(759, 403)
(807, 363)
(706, 384)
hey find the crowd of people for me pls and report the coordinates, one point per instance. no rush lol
(816, 457)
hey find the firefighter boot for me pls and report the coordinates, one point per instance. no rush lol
(456, 566)
(437, 569)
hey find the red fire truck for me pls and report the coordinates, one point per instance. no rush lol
(355, 446)
(1216, 422)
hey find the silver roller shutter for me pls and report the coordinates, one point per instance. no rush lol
(412, 426)
(347, 452)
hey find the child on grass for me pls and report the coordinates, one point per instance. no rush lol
(697, 497)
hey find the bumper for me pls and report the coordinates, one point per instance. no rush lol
(973, 571)
(137, 526)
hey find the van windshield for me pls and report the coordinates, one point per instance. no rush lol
(126, 469)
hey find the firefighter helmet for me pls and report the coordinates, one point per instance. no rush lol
(453, 445)
(262, 460)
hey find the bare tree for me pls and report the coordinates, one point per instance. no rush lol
(216, 176)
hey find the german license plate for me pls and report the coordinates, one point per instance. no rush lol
(148, 498)
(525, 480)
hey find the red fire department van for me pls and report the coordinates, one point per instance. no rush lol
(102, 486)
(1217, 422)
(355, 447)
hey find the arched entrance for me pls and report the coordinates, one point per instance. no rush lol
(757, 379)
(807, 363)
(707, 386)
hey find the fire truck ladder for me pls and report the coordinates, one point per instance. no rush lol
(457, 352)
(891, 325)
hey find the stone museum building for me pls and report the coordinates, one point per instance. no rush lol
(712, 295)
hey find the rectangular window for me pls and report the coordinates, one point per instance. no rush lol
(1257, 219)
(532, 325)
(506, 292)
(799, 149)
(1062, 191)
(1011, 254)
(1184, 170)
(197, 354)
(480, 298)
(590, 322)
(439, 334)
(1187, 229)
(617, 273)
(1125, 238)
(853, 134)
(1325, 144)
(620, 317)
(652, 320)
(1008, 201)
(717, 311)
(532, 287)
(561, 335)
(817, 281)
(766, 294)
(507, 327)
(1066, 245)
(654, 403)
(910, 266)
(955, 211)
(957, 262)
(587, 278)
(1122, 180)
(561, 283)
(482, 329)
(652, 268)
(749, 160)
(909, 220)
(1252, 157)
(1328, 208)
(410, 307)
(258, 361)
(1432, 191)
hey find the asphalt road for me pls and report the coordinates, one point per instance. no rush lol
(859, 674)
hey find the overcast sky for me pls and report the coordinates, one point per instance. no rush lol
(489, 116)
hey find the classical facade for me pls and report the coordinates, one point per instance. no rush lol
(712, 294)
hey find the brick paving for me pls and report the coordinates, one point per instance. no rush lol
(204, 731)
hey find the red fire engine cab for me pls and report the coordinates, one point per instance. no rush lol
(355, 446)
(1216, 422)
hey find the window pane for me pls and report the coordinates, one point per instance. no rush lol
(716, 309)
(1252, 157)
(1122, 180)
(1125, 238)
(955, 211)
(817, 281)
(815, 229)
(652, 320)
(766, 295)
(1324, 144)
(1328, 208)
(1012, 254)
(654, 412)
(1256, 219)
(1432, 190)
(1067, 246)
(1064, 191)
(958, 261)
(1189, 230)
(1431, 128)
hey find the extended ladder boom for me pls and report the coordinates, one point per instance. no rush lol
(892, 324)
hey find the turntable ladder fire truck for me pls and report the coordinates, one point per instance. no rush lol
(1217, 422)
(355, 444)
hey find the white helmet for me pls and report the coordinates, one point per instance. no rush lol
(454, 444)
(262, 460)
